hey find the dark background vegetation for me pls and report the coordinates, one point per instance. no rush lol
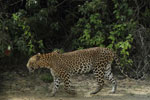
(31, 26)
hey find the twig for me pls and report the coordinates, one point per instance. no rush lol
(16, 3)
(61, 3)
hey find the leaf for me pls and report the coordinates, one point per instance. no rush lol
(110, 46)
(111, 37)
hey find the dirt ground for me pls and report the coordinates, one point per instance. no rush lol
(19, 85)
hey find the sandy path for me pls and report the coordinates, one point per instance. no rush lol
(16, 87)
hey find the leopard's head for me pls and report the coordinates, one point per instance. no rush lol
(32, 62)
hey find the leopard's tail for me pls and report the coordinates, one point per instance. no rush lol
(117, 61)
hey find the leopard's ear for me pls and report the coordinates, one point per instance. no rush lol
(38, 56)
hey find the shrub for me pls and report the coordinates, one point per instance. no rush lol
(97, 27)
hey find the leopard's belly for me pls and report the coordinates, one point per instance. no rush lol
(83, 68)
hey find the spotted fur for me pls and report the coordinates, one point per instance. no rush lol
(64, 65)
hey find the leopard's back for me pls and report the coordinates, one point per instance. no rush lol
(82, 61)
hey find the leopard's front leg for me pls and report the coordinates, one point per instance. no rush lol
(56, 83)
(56, 86)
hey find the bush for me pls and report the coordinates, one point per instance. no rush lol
(20, 38)
(96, 27)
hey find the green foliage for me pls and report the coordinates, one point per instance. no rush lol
(24, 40)
(121, 33)
(125, 46)
(92, 29)
(121, 39)
(20, 36)
(47, 77)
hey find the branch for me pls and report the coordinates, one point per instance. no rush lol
(16, 3)
(61, 3)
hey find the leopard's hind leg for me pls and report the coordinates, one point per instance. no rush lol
(99, 74)
(67, 83)
(109, 76)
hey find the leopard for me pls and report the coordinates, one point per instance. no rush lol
(63, 65)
